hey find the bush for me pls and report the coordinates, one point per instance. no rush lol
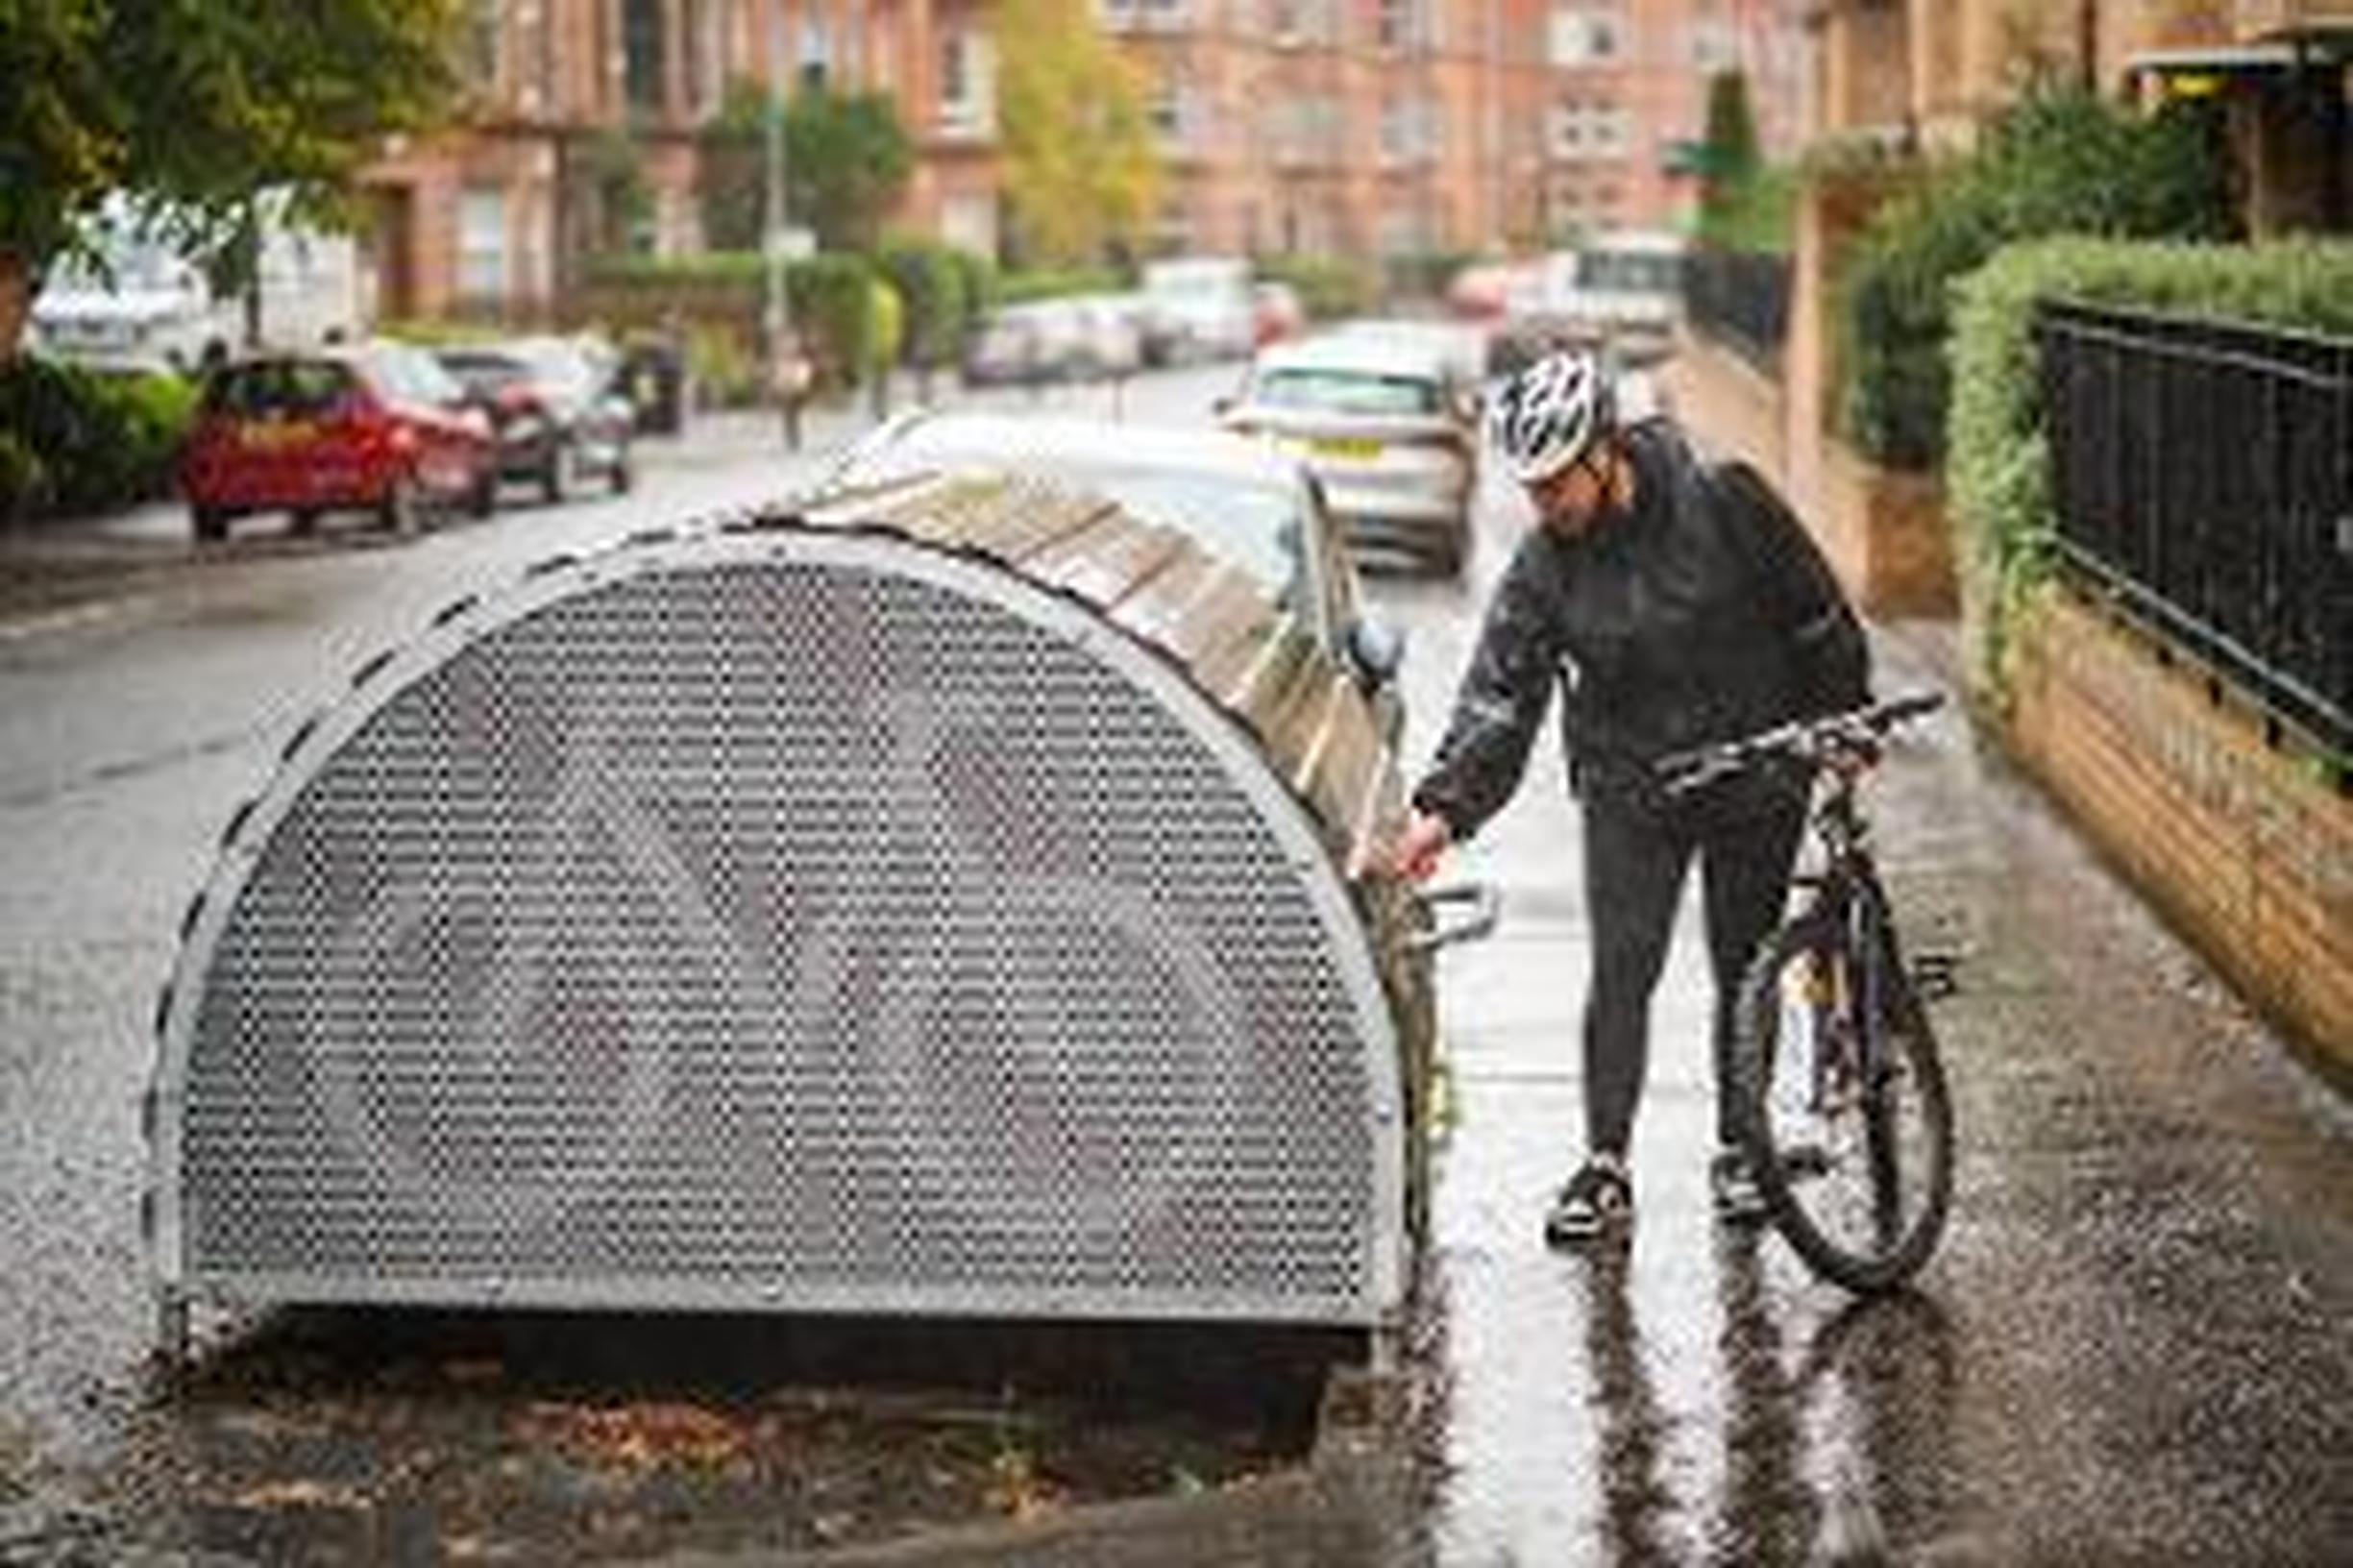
(1424, 275)
(72, 441)
(828, 295)
(1999, 470)
(725, 373)
(2058, 160)
(1758, 216)
(1057, 283)
(832, 299)
(984, 288)
(931, 287)
(1328, 286)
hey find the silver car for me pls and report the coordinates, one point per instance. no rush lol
(1386, 423)
(1241, 500)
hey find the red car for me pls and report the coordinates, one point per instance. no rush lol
(378, 427)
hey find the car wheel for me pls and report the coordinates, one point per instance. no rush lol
(208, 522)
(551, 477)
(622, 478)
(397, 512)
(306, 519)
(483, 499)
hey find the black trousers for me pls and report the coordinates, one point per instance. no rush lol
(1638, 850)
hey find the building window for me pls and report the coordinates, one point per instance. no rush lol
(1146, 15)
(641, 53)
(968, 87)
(1172, 231)
(1585, 35)
(700, 40)
(1589, 131)
(1398, 24)
(483, 44)
(815, 51)
(1171, 109)
(1299, 21)
(481, 243)
(1714, 47)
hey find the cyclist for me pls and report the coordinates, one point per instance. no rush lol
(1675, 603)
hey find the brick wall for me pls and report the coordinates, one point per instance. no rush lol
(1884, 533)
(2239, 842)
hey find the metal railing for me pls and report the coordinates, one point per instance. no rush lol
(2202, 474)
(1740, 299)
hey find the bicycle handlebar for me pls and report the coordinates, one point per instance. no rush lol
(1853, 733)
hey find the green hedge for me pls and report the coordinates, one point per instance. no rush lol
(2057, 161)
(725, 292)
(1999, 471)
(73, 442)
(1328, 286)
(1058, 282)
(1423, 275)
(937, 299)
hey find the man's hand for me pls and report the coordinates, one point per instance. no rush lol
(1415, 855)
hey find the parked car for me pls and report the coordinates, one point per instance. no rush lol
(1385, 423)
(1239, 500)
(1110, 339)
(377, 427)
(1040, 340)
(552, 404)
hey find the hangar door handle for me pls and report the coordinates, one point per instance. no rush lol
(1485, 907)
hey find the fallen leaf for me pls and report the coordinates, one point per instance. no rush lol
(300, 1494)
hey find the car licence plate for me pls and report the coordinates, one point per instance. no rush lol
(268, 434)
(1355, 447)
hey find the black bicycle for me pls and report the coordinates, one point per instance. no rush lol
(1844, 1107)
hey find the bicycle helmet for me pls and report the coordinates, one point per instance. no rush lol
(1551, 414)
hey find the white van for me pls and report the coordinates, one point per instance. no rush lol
(1200, 307)
(1625, 287)
(132, 302)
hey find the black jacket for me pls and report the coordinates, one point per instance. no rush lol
(1702, 614)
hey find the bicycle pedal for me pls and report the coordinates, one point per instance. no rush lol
(1935, 975)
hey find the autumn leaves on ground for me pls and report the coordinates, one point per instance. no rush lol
(599, 1437)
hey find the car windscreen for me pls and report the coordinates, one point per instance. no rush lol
(278, 388)
(1346, 391)
(484, 372)
(408, 375)
(1629, 272)
(561, 368)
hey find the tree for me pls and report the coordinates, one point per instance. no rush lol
(1728, 167)
(2056, 161)
(189, 108)
(848, 158)
(1081, 171)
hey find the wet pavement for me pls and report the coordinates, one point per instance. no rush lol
(2135, 1344)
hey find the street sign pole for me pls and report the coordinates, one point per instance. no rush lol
(778, 317)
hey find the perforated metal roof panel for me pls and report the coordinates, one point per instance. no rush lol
(885, 908)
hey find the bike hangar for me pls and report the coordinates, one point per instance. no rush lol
(946, 899)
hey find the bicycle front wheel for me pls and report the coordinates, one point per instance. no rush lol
(1843, 1104)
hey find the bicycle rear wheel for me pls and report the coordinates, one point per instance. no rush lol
(1856, 1169)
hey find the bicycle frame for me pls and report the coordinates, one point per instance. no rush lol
(1871, 1052)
